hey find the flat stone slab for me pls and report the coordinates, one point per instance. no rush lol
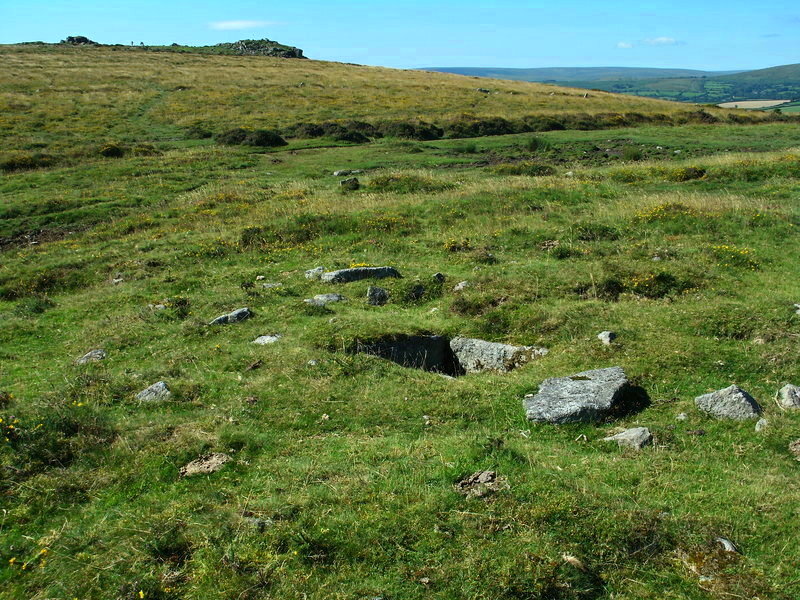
(233, 317)
(359, 273)
(636, 438)
(325, 299)
(730, 403)
(92, 356)
(157, 392)
(205, 465)
(265, 340)
(477, 356)
(788, 397)
(585, 397)
(271, 286)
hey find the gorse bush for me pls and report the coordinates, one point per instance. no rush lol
(18, 161)
(264, 138)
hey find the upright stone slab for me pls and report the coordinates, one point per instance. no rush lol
(477, 356)
(581, 398)
(730, 403)
(359, 273)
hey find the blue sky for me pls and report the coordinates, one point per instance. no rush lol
(703, 34)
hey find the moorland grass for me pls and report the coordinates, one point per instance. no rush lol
(343, 472)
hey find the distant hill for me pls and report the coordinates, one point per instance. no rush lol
(681, 85)
(775, 83)
(582, 74)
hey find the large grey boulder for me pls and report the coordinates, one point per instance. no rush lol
(788, 397)
(730, 403)
(359, 273)
(636, 438)
(157, 392)
(92, 356)
(477, 356)
(325, 299)
(239, 314)
(581, 398)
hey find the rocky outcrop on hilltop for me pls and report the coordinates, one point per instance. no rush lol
(263, 47)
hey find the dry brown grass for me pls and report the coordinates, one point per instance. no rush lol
(64, 93)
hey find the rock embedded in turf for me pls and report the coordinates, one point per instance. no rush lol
(461, 286)
(607, 337)
(265, 340)
(439, 277)
(205, 465)
(481, 484)
(92, 356)
(477, 356)
(377, 296)
(761, 425)
(271, 286)
(157, 392)
(350, 184)
(730, 403)
(233, 317)
(359, 273)
(788, 397)
(315, 273)
(794, 448)
(636, 438)
(584, 397)
(346, 172)
(325, 299)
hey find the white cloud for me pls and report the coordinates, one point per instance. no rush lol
(232, 25)
(624, 45)
(661, 41)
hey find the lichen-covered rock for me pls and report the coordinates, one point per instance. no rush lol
(377, 296)
(477, 356)
(92, 356)
(636, 438)
(315, 273)
(581, 398)
(359, 273)
(265, 340)
(325, 299)
(205, 465)
(233, 317)
(730, 403)
(788, 397)
(461, 286)
(157, 392)
(351, 184)
(607, 337)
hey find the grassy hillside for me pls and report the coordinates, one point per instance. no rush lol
(562, 74)
(70, 99)
(776, 83)
(341, 482)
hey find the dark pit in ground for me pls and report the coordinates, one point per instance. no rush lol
(426, 352)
